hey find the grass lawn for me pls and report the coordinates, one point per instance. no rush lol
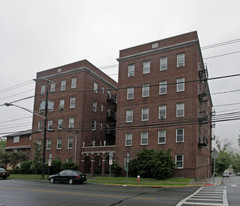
(174, 181)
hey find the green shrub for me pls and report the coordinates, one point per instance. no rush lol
(116, 169)
(55, 166)
(69, 166)
(25, 167)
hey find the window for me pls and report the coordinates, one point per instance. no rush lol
(95, 106)
(60, 124)
(71, 122)
(108, 129)
(128, 139)
(163, 63)
(94, 125)
(40, 126)
(180, 110)
(95, 87)
(180, 60)
(16, 139)
(162, 112)
(145, 114)
(163, 87)
(130, 93)
(42, 89)
(63, 85)
(144, 138)
(72, 102)
(109, 94)
(61, 104)
(50, 106)
(131, 70)
(102, 108)
(53, 85)
(161, 136)
(179, 161)
(59, 143)
(145, 90)
(179, 135)
(49, 143)
(146, 67)
(129, 115)
(39, 143)
(180, 84)
(70, 143)
(102, 90)
(50, 124)
(108, 112)
(42, 106)
(74, 83)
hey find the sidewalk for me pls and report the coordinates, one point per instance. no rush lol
(207, 181)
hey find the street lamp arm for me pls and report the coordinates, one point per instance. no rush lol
(10, 104)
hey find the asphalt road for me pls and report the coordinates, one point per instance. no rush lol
(38, 193)
(232, 184)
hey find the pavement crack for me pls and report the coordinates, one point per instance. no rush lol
(120, 201)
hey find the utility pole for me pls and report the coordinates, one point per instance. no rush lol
(45, 132)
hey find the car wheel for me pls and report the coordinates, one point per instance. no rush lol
(52, 180)
(70, 181)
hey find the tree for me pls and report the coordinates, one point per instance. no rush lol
(56, 166)
(2, 143)
(150, 163)
(37, 159)
(236, 163)
(164, 165)
(143, 164)
(16, 157)
(4, 158)
(69, 166)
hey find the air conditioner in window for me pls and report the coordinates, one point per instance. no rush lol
(61, 108)
(162, 117)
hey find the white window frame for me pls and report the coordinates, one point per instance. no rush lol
(180, 84)
(72, 102)
(74, 83)
(128, 139)
(177, 135)
(43, 88)
(48, 144)
(71, 122)
(53, 87)
(50, 105)
(59, 143)
(102, 108)
(16, 139)
(60, 124)
(102, 90)
(144, 137)
(130, 93)
(131, 70)
(70, 142)
(163, 63)
(63, 85)
(180, 60)
(94, 125)
(50, 125)
(39, 143)
(146, 67)
(94, 106)
(40, 125)
(162, 134)
(181, 161)
(95, 87)
(129, 115)
(180, 109)
(145, 90)
(42, 105)
(61, 104)
(162, 112)
(145, 114)
(162, 87)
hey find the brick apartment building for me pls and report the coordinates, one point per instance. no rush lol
(164, 102)
(81, 115)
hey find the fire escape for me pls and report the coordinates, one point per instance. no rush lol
(203, 117)
(110, 129)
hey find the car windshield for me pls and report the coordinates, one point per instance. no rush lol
(2, 170)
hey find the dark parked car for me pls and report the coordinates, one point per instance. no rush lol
(3, 173)
(69, 176)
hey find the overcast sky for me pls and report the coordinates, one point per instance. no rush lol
(42, 34)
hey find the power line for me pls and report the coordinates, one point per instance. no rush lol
(221, 44)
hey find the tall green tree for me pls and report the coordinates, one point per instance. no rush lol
(4, 158)
(17, 157)
(37, 159)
